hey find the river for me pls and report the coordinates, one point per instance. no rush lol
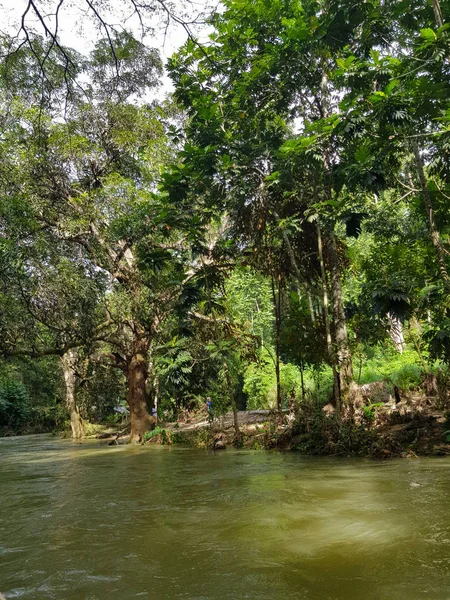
(85, 521)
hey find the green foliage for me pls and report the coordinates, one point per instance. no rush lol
(99, 389)
(290, 385)
(407, 377)
(438, 340)
(121, 66)
(15, 407)
(201, 438)
(189, 234)
(319, 384)
(320, 434)
(260, 382)
(31, 395)
(259, 378)
(249, 303)
(175, 363)
(369, 411)
(165, 435)
(402, 370)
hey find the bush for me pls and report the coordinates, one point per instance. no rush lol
(407, 377)
(403, 370)
(321, 434)
(319, 384)
(164, 435)
(15, 409)
(260, 383)
(259, 378)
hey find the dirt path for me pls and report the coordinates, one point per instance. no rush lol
(245, 418)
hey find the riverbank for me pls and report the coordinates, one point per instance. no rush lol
(422, 434)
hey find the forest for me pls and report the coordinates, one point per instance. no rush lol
(270, 234)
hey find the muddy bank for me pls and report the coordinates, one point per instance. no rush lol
(412, 427)
(378, 424)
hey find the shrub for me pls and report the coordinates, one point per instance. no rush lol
(15, 407)
(165, 435)
(407, 377)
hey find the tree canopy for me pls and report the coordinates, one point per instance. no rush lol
(283, 214)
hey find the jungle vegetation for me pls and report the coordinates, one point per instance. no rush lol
(274, 231)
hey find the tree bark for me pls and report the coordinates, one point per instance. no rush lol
(277, 311)
(237, 431)
(311, 307)
(153, 386)
(330, 349)
(136, 373)
(68, 361)
(344, 357)
(342, 351)
(396, 332)
(302, 377)
(437, 13)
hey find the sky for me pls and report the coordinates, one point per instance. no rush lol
(78, 30)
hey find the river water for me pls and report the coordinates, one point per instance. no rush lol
(93, 522)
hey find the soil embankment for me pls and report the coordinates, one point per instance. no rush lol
(414, 427)
(376, 426)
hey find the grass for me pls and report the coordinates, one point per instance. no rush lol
(380, 363)
(403, 370)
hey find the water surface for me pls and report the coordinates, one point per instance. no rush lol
(93, 522)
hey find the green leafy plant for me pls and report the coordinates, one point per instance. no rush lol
(158, 431)
(15, 406)
(369, 411)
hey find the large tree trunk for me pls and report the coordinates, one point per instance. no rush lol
(432, 227)
(76, 423)
(136, 373)
(330, 349)
(277, 311)
(153, 387)
(396, 332)
(237, 431)
(342, 349)
(344, 357)
(437, 13)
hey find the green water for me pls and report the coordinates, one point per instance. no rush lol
(92, 522)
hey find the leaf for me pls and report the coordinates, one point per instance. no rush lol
(391, 86)
(362, 154)
(377, 97)
(275, 176)
(375, 56)
(428, 35)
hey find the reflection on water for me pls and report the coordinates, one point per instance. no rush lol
(92, 522)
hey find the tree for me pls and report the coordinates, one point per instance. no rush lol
(242, 92)
(88, 187)
(43, 19)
